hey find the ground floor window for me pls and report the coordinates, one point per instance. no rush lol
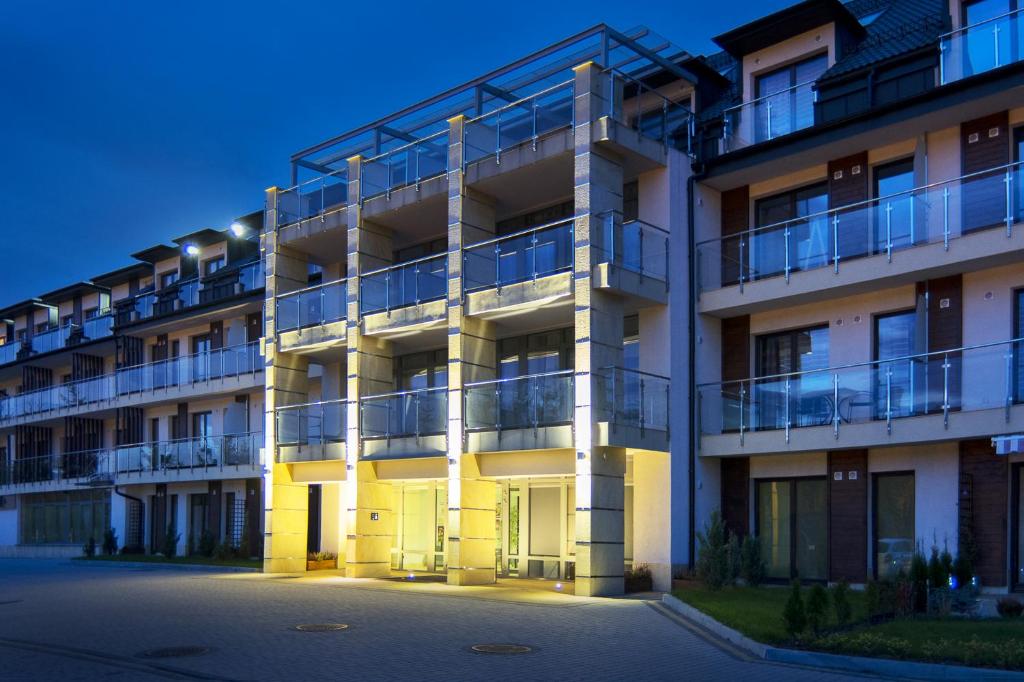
(197, 522)
(894, 523)
(792, 526)
(65, 518)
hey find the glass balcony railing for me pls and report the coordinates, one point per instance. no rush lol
(769, 117)
(524, 402)
(520, 257)
(317, 423)
(201, 368)
(629, 397)
(403, 166)
(961, 380)
(405, 284)
(99, 327)
(940, 212)
(633, 245)
(981, 47)
(311, 307)
(314, 198)
(422, 412)
(9, 351)
(644, 109)
(52, 339)
(525, 120)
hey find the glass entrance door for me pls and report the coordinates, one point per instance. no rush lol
(792, 527)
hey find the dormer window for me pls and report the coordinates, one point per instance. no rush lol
(168, 278)
(213, 265)
(785, 97)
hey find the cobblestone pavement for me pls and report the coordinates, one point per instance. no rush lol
(68, 621)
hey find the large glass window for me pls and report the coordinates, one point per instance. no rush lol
(65, 518)
(808, 237)
(785, 98)
(894, 524)
(792, 526)
(1018, 350)
(801, 396)
(898, 377)
(895, 222)
(1018, 174)
(989, 37)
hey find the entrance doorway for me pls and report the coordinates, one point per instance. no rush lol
(420, 522)
(536, 529)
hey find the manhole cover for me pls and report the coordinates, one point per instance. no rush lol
(321, 627)
(175, 652)
(501, 649)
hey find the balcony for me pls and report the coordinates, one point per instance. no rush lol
(411, 165)
(9, 351)
(655, 120)
(232, 368)
(314, 316)
(896, 237)
(632, 408)
(523, 271)
(769, 117)
(404, 424)
(189, 458)
(403, 295)
(981, 47)
(323, 198)
(965, 392)
(311, 432)
(52, 339)
(530, 412)
(99, 327)
(632, 257)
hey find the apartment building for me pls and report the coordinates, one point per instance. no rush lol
(134, 401)
(860, 287)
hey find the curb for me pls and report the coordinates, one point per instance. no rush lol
(838, 662)
(159, 565)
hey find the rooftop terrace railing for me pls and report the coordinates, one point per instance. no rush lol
(524, 402)
(405, 414)
(519, 257)
(769, 117)
(315, 198)
(941, 212)
(981, 47)
(966, 379)
(403, 166)
(312, 306)
(404, 284)
(646, 110)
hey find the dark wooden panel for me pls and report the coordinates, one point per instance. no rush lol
(735, 218)
(129, 426)
(160, 348)
(158, 520)
(215, 504)
(253, 327)
(848, 515)
(130, 351)
(848, 184)
(34, 378)
(85, 366)
(217, 334)
(254, 515)
(735, 477)
(736, 348)
(945, 331)
(182, 421)
(984, 490)
(984, 144)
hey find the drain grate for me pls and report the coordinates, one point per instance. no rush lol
(321, 627)
(501, 648)
(175, 652)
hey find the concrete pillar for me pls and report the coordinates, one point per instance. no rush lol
(472, 538)
(370, 370)
(600, 472)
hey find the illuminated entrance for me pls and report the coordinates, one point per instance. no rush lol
(420, 518)
(536, 528)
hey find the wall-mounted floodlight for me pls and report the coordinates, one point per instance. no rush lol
(191, 249)
(238, 229)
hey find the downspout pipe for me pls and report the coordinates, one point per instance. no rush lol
(691, 183)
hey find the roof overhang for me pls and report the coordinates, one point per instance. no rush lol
(786, 23)
(203, 237)
(157, 253)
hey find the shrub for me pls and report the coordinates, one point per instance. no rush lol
(963, 571)
(133, 549)
(713, 560)
(1008, 607)
(752, 567)
(110, 542)
(207, 543)
(873, 598)
(223, 551)
(639, 579)
(733, 554)
(918, 584)
(947, 564)
(937, 575)
(793, 616)
(89, 548)
(170, 545)
(841, 603)
(321, 556)
(817, 608)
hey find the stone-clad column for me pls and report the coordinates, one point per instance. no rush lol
(600, 471)
(286, 383)
(369, 371)
(471, 500)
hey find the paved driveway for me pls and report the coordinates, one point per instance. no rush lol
(63, 620)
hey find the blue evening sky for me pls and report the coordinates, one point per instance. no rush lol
(126, 124)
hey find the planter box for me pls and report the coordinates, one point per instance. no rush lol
(321, 565)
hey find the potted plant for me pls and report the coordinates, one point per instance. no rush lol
(320, 561)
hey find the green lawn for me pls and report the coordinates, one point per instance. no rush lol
(757, 613)
(154, 559)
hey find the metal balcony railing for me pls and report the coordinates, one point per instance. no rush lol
(981, 47)
(629, 397)
(405, 414)
(940, 212)
(525, 120)
(52, 339)
(404, 284)
(310, 307)
(967, 379)
(317, 423)
(766, 118)
(646, 110)
(633, 245)
(201, 368)
(9, 351)
(317, 197)
(525, 402)
(519, 257)
(403, 166)
(99, 327)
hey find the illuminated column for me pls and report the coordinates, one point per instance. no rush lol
(471, 357)
(368, 523)
(600, 471)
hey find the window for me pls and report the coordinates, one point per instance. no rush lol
(168, 278)
(808, 241)
(785, 98)
(897, 337)
(199, 505)
(201, 356)
(92, 313)
(894, 523)
(42, 327)
(66, 320)
(792, 527)
(213, 265)
(1018, 175)
(802, 399)
(895, 220)
(988, 39)
(1018, 350)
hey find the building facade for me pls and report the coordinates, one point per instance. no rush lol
(545, 323)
